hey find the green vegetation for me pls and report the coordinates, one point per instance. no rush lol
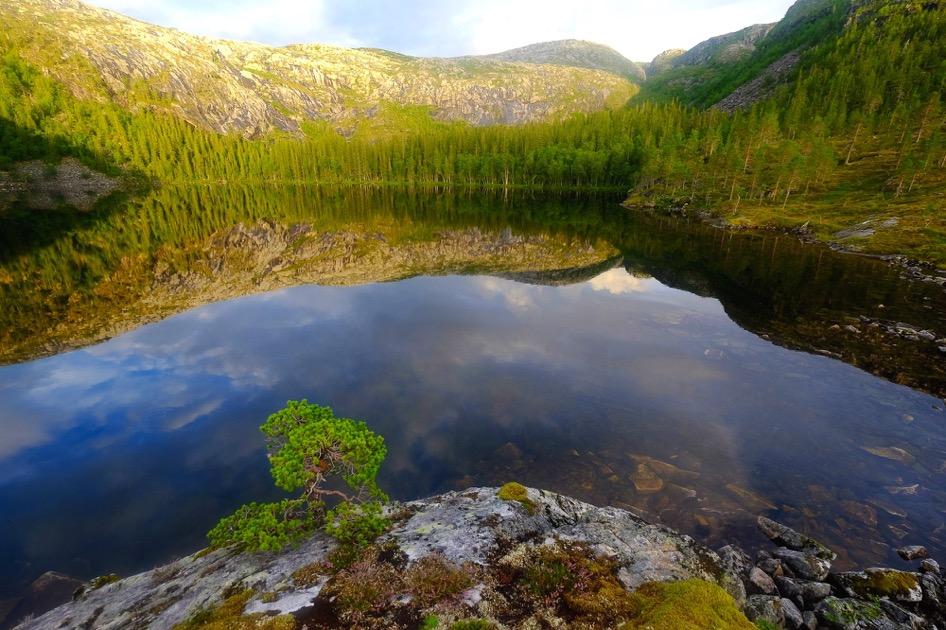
(857, 133)
(309, 448)
(685, 604)
(513, 491)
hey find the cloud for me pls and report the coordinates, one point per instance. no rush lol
(619, 282)
(637, 28)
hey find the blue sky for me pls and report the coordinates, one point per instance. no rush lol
(638, 28)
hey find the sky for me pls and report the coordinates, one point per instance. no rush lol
(639, 29)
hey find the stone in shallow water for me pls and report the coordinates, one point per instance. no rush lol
(891, 452)
(913, 552)
(929, 566)
(749, 498)
(646, 480)
(788, 537)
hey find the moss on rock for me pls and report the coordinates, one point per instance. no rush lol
(685, 604)
(517, 492)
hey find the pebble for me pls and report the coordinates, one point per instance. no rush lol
(929, 566)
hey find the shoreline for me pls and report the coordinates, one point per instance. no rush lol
(484, 544)
(914, 269)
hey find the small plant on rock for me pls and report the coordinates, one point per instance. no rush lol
(313, 452)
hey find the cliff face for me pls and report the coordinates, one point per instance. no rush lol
(250, 88)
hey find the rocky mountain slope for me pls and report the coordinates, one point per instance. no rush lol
(713, 70)
(250, 88)
(574, 53)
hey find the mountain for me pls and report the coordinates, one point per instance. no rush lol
(713, 70)
(251, 89)
(574, 53)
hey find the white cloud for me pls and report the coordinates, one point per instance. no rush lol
(619, 282)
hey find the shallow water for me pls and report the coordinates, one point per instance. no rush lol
(635, 374)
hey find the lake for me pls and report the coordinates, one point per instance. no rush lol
(694, 376)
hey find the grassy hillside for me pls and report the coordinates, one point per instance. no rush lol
(851, 149)
(712, 70)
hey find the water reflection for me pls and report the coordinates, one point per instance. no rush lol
(620, 390)
(625, 360)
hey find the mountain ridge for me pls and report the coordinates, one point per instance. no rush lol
(252, 89)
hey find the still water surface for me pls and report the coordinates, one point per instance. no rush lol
(657, 377)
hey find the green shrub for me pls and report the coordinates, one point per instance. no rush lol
(309, 449)
(265, 526)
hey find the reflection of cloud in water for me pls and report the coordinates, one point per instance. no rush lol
(619, 282)
(448, 370)
(518, 297)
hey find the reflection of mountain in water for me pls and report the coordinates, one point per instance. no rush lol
(564, 276)
(176, 249)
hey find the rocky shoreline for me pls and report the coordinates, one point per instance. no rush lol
(910, 268)
(484, 558)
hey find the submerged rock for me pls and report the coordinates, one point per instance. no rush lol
(788, 537)
(913, 552)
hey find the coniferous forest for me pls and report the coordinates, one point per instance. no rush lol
(859, 127)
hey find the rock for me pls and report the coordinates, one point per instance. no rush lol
(810, 620)
(913, 552)
(810, 592)
(929, 566)
(759, 583)
(792, 616)
(879, 582)
(933, 595)
(772, 566)
(765, 607)
(469, 526)
(735, 560)
(861, 512)
(750, 499)
(852, 614)
(804, 565)
(645, 480)
(788, 537)
(891, 452)
(49, 590)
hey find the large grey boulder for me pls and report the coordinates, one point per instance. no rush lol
(470, 526)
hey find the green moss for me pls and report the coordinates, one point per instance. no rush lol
(765, 624)
(886, 583)
(686, 604)
(513, 491)
(228, 615)
(845, 612)
(103, 580)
